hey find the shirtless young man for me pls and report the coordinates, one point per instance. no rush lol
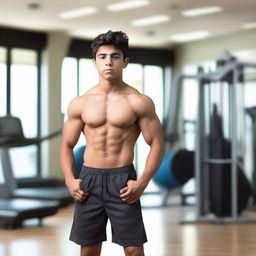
(111, 115)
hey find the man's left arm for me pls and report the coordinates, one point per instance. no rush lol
(153, 135)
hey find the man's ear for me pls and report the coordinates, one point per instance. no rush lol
(126, 61)
(94, 62)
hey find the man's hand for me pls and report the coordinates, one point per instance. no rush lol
(75, 190)
(132, 192)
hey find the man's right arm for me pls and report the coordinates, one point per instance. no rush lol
(70, 135)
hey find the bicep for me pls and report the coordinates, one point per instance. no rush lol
(74, 125)
(71, 131)
(148, 121)
(151, 129)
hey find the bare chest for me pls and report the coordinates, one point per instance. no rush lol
(101, 111)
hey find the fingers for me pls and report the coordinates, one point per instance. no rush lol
(77, 192)
(130, 199)
(124, 193)
(80, 195)
(124, 190)
(128, 196)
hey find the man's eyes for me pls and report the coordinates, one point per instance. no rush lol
(113, 57)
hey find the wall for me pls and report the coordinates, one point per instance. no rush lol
(52, 119)
(210, 49)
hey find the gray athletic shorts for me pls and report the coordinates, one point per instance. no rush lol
(103, 203)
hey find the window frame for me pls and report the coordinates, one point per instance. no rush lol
(30, 40)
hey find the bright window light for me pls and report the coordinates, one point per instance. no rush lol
(78, 13)
(202, 11)
(151, 20)
(190, 36)
(127, 5)
(249, 25)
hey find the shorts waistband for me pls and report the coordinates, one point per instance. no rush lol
(113, 170)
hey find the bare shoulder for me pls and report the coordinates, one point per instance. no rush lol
(75, 106)
(140, 103)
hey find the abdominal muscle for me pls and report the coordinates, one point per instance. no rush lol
(109, 146)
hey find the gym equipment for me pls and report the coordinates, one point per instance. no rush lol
(220, 175)
(183, 164)
(163, 176)
(175, 170)
(11, 131)
(252, 113)
(79, 159)
(13, 211)
(219, 160)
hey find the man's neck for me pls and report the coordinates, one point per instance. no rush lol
(111, 86)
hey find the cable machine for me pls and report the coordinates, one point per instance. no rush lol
(222, 188)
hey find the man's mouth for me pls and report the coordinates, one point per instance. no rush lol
(108, 70)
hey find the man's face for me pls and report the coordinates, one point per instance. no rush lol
(110, 62)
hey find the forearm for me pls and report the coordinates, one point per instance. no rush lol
(67, 166)
(67, 162)
(153, 163)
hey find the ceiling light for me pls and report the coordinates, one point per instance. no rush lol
(151, 20)
(127, 5)
(78, 13)
(249, 25)
(201, 11)
(190, 36)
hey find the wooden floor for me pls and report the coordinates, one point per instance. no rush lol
(166, 237)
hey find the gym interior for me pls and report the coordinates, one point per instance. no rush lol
(195, 59)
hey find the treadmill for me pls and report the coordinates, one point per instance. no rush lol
(13, 211)
(11, 135)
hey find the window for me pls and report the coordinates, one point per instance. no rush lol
(133, 75)
(88, 76)
(190, 99)
(153, 87)
(68, 82)
(1, 175)
(24, 89)
(24, 105)
(20, 73)
(2, 81)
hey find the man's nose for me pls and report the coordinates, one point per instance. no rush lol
(109, 61)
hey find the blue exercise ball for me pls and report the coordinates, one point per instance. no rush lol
(79, 159)
(163, 177)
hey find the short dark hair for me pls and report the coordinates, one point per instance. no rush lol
(117, 38)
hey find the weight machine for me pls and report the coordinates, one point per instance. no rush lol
(222, 188)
